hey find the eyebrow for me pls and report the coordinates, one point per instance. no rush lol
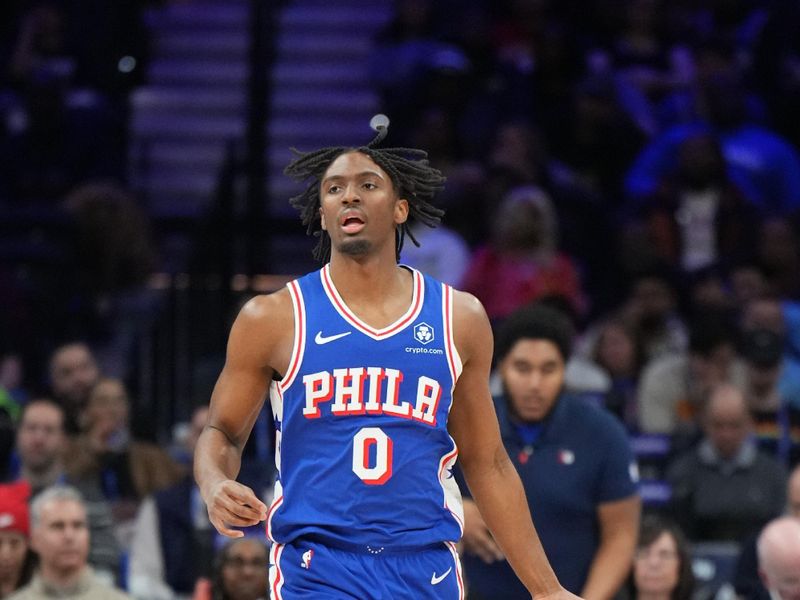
(358, 176)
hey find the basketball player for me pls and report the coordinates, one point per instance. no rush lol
(379, 381)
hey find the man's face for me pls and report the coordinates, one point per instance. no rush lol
(783, 578)
(73, 373)
(40, 436)
(727, 424)
(61, 537)
(244, 572)
(358, 205)
(533, 376)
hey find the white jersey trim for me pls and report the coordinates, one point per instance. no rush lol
(417, 300)
(299, 343)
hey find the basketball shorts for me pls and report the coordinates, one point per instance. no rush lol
(309, 570)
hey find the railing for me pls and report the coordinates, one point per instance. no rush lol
(181, 354)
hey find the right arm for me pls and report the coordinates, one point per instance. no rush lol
(488, 471)
(259, 345)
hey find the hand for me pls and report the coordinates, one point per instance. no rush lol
(232, 504)
(477, 537)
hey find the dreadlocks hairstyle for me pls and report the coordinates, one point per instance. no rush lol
(412, 177)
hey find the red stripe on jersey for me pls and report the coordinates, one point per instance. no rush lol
(275, 505)
(454, 552)
(448, 330)
(411, 314)
(277, 551)
(299, 334)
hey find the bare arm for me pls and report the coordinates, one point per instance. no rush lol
(259, 344)
(492, 478)
(619, 527)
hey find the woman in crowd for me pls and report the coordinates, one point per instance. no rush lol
(662, 566)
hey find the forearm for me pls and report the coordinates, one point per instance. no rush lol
(610, 567)
(216, 458)
(499, 494)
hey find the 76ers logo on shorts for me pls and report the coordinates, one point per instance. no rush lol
(307, 556)
(423, 333)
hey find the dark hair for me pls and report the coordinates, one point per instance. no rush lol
(708, 331)
(535, 322)
(218, 591)
(412, 177)
(651, 528)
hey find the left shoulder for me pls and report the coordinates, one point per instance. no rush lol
(471, 329)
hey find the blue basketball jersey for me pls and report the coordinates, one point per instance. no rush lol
(363, 453)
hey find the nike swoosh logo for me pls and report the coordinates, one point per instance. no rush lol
(435, 579)
(321, 339)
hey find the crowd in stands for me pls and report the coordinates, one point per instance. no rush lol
(633, 164)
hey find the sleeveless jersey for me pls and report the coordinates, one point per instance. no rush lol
(363, 453)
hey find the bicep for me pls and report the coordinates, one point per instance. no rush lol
(473, 422)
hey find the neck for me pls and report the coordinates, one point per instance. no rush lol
(653, 596)
(8, 584)
(61, 578)
(42, 478)
(369, 279)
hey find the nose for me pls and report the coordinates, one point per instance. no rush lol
(351, 194)
(534, 379)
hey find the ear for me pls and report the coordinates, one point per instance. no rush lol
(401, 211)
(322, 220)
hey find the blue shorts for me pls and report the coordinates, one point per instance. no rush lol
(310, 570)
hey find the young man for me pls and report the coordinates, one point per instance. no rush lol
(381, 381)
(575, 463)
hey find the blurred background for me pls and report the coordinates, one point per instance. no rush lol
(142, 145)
(633, 162)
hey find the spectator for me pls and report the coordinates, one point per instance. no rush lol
(522, 263)
(651, 309)
(442, 253)
(778, 250)
(746, 580)
(697, 218)
(16, 558)
(726, 489)
(114, 255)
(761, 162)
(773, 393)
(40, 444)
(618, 352)
(662, 564)
(239, 573)
(126, 469)
(672, 389)
(73, 374)
(173, 539)
(40, 451)
(779, 558)
(575, 463)
(60, 536)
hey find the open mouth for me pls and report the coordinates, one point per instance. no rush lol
(352, 224)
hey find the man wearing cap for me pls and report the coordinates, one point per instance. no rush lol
(60, 536)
